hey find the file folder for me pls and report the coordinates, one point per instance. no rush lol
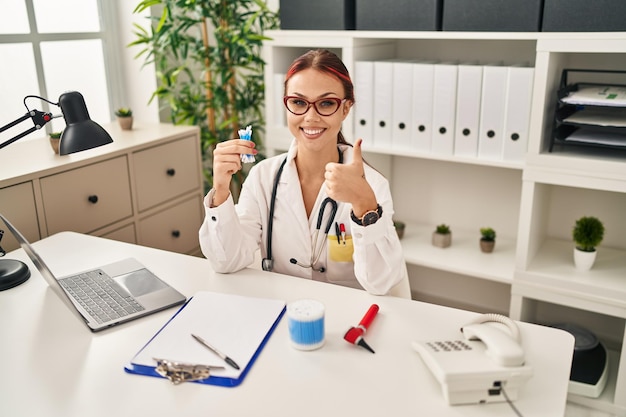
(444, 109)
(517, 118)
(364, 104)
(468, 110)
(422, 105)
(383, 102)
(492, 110)
(237, 325)
(401, 109)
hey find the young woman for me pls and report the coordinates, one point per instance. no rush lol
(318, 212)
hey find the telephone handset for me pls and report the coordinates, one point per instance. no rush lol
(477, 365)
(504, 349)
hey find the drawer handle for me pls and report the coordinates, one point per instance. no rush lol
(171, 172)
(176, 233)
(93, 199)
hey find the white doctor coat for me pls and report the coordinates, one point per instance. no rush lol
(231, 234)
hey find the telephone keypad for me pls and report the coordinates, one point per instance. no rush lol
(449, 346)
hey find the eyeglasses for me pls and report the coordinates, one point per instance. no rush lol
(324, 106)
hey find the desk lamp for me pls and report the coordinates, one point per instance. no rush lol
(81, 133)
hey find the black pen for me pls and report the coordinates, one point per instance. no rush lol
(337, 232)
(217, 352)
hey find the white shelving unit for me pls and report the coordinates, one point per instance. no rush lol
(532, 205)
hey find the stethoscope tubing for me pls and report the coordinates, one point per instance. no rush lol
(315, 255)
(268, 262)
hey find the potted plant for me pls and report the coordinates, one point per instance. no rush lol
(55, 139)
(442, 236)
(588, 232)
(211, 73)
(399, 226)
(487, 239)
(125, 117)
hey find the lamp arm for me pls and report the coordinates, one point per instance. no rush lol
(39, 118)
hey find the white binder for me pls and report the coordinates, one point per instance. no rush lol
(468, 110)
(444, 109)
(491, 130)
(422, 106)
(364, 104)
(401, 109)
(383, 92)
(517, 117)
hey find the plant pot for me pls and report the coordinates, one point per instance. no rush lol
(126, 123)
(584, 260)
(487, 245)
(442, 240)
(400, 226)
(55, 142)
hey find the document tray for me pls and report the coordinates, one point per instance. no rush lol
(590, 114)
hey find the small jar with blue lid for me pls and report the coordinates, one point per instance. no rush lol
(306, 324)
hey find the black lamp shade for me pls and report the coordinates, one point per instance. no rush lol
(81, 132)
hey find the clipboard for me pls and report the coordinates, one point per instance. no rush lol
(239, 325)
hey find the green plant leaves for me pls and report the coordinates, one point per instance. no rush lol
(209, 66)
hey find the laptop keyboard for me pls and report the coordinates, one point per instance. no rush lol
(100, 295)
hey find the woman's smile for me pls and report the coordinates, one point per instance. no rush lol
(312, 133)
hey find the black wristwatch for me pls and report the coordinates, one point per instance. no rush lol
(370, 217)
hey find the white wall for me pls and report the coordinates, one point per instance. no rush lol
(140, 81)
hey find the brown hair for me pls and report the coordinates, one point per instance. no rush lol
(325, 61)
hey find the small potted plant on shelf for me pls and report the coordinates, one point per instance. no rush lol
(55, 140)
(442, 236)
(487, 239)
(587, 234)
(125, 117)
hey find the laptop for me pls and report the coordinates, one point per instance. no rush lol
(108, 295)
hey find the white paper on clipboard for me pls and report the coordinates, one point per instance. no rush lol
(235, 325)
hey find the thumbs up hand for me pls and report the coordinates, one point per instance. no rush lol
(347, 183)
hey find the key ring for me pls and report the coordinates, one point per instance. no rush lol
(178, 372)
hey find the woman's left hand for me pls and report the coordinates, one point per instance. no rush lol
(347, 183)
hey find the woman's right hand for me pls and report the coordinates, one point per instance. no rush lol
(227, 161)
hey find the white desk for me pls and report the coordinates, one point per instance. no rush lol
(52, 365)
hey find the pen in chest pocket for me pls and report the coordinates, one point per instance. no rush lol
(342, 229)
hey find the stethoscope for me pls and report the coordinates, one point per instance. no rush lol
(268, 262)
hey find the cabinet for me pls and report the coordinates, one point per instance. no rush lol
(146, 188)
(532, 204)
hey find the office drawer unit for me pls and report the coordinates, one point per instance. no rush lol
(87, 198)
(150, 173)
(123, 234)
(166, 171)
(174, 228)
(23, 215)
(531, 203)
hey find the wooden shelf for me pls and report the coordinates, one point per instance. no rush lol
(553, 276)
(463, 256)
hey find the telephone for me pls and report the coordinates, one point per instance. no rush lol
(486, 364)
